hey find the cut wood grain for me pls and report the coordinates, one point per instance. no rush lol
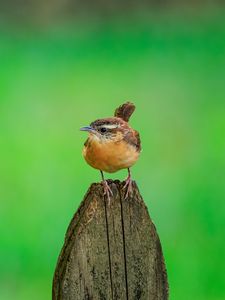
(111, 252)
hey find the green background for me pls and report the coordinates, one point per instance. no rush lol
(55, 79)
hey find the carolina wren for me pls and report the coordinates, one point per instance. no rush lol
(113, 145)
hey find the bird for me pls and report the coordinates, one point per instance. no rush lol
(112, 145)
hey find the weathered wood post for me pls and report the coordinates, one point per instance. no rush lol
(111, 252)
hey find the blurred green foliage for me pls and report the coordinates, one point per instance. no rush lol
(56, 80)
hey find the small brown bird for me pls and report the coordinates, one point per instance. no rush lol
(113, 145)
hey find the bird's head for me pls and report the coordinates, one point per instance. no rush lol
(106, 130)
(112, 129)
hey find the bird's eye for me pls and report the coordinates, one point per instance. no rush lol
(103, 129)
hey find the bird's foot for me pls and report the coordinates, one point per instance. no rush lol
(128, 187)
(107, 190)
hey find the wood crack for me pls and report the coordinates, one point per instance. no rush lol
(124, 244)
(108, 243)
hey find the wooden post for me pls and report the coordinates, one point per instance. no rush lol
(111, 252)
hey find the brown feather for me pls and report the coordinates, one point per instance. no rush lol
(133, 138)
(124, 111)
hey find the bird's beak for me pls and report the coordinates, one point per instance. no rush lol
(87, 128)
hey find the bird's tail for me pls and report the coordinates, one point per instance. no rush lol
(124, 111)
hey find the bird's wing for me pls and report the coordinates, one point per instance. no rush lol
(124, 111)
(133, 138)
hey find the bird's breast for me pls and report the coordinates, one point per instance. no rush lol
(110, 156)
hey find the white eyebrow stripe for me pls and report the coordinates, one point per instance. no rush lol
(108, 126)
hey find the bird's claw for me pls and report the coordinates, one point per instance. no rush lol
(128, 187)
(107, 190)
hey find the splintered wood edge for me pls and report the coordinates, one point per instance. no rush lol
(94, 189)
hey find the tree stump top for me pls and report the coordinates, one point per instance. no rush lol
(111, 252)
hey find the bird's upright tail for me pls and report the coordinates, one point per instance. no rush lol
(124, 111)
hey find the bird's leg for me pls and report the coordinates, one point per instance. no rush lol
(107, 190)
(128, 184)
